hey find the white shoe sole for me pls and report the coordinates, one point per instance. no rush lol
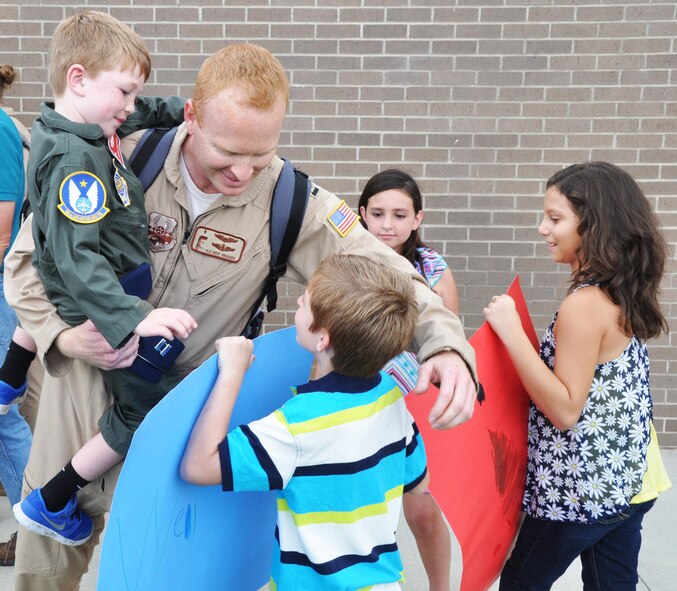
(41, 530)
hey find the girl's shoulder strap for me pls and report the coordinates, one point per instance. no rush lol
(582, 285)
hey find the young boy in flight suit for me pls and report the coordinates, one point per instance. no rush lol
(89, 226)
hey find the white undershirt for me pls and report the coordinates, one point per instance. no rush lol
(198, 201)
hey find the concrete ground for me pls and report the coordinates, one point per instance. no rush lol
(657, 564)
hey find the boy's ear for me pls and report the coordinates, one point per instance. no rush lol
(323, 344)
(75, 77)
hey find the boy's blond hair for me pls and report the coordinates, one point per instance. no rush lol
(367, 308)
(247, 66)
(98, 42)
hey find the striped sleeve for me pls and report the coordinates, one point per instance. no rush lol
(415, 462)
(259, 456)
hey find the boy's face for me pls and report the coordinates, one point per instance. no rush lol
(109, 97)
(303, 321)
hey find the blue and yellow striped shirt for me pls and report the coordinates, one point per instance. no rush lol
(341, 453)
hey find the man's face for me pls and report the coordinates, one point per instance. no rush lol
(232, 144)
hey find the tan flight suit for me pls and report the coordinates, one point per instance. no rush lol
(29, 407)
(214, 269)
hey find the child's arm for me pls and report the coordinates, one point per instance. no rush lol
(421, 487)
(581, 323)
(446, 289)
(154, 112)
(167, 323)
(201, 464)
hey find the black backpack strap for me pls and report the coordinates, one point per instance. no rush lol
(150, 154)
(289, 203)
(288, 207)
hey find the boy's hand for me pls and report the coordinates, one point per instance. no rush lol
(167, 323)
(235, 353)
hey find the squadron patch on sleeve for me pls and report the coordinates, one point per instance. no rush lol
(342, 218)
(82, 198)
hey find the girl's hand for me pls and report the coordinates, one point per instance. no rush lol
(235, 353)
(502, 316)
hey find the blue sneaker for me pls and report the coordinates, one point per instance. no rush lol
(70, 526)
(9, 395)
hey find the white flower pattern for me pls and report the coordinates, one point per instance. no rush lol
(601, 460)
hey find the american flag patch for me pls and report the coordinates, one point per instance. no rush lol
(342, 218)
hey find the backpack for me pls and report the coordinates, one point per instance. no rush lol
(287, 209)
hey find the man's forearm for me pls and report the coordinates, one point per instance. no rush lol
(26, 294)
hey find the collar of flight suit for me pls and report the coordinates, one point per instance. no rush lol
(88, 131)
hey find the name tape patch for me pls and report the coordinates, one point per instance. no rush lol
(217, 244)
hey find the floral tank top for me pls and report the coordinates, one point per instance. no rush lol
(592, 470)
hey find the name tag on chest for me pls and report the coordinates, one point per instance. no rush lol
(217, 244)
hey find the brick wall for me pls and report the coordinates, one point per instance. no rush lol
(481, 101)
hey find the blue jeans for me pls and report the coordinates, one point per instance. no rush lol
(15, 436)
(609, 551)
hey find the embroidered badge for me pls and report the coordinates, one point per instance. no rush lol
(115, 149)
(121, 186)
(82, 198)
(161, 232)
(217, 244)
(342, 218)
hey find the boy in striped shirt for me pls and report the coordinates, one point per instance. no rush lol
(343, 450)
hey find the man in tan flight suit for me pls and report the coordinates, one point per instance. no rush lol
(208, 220)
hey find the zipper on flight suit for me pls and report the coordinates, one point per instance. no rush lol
(186, 237)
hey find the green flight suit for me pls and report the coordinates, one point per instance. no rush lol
(90, 228)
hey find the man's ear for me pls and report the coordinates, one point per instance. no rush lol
(189, 116)
(75, 79)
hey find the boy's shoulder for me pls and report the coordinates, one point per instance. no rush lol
(319, 399)
(67, 143)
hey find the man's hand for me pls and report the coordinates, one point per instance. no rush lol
(87, 343)
(456, 400)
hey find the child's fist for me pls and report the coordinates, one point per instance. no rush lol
(235, 352)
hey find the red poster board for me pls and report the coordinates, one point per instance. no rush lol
(478, 469)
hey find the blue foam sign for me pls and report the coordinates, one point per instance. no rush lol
(164, 533)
